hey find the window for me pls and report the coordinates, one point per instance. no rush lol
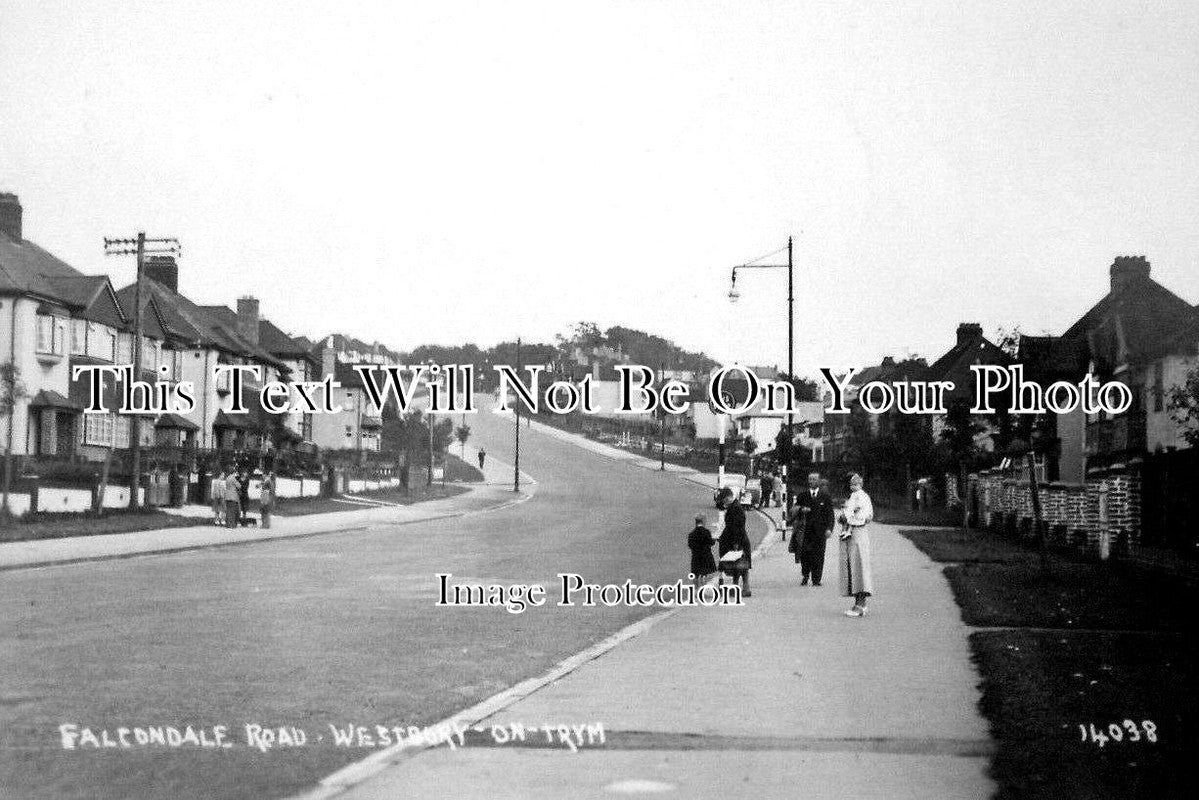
(124, 353)
(1159, 388)
(97, 429)
(123, 428)
(78, 337)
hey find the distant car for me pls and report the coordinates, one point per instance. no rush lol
(747, 492)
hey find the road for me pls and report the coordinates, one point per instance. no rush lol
(335, 629)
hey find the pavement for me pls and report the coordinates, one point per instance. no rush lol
(781, 697)
(495, 491)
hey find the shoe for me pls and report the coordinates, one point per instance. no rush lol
(817, 583)
(855, 612)
(804, 581)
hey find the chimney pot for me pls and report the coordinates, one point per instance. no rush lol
(10, 215)
(1126, 270)
(969, 331)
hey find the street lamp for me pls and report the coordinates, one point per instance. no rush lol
(735, 295)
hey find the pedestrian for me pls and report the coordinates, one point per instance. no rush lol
(216, 493)
(856, 575)
(778, 490)
(244, 496)
(735, 558)
(267, 499)
(482, 457)
(232, 500)
(813, 517)
(699, 541)
(767, 484)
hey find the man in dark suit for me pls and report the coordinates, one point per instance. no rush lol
(814, 520)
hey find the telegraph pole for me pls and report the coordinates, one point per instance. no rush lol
(137, 247)
(516, 466)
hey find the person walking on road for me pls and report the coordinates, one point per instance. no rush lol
(216, 493)
(814, 525)
(856, 575)
(734, 539)
(232, 500)
(267, 500)
(699, 541)
(482, 457)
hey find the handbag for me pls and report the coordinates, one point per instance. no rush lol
(734, 560)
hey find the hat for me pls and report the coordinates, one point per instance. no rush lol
(699, 519)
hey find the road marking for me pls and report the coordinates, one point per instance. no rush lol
(640, 786)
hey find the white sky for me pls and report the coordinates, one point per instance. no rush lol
(415, 172)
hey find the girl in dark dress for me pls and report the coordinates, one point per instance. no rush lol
(700, 542)
(734, 537)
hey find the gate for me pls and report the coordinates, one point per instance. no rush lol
(1170, 501)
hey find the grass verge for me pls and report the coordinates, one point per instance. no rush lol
(327, 505)
(57, 526)
(1093, 653)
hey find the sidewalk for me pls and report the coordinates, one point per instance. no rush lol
(783, 697)
(495, 491)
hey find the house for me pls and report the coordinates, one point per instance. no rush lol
(756, 422)
(358, 426)
(295, 353)
(53, 317)
(970, 349)
(1139, 333)
(203, 340)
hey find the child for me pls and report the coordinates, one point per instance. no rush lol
(700, 542)
(217, 494)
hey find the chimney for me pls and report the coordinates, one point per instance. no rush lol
(328, 359)
(888, 361)
(247, 318)
(10, 216)
(969, 331)
(164, 270)
(1126, 270)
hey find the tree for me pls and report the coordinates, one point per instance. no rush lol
(11, 392)
(1183, 406)
(462, 433)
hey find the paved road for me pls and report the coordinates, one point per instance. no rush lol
(333, 629)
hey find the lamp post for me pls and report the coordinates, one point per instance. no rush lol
(734, 295)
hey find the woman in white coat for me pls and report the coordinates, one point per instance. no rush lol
(856, 578)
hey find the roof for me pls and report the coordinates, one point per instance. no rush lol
(1052, 358)
(176, 421)
(1141, 321)
(270, 338)
(48, 398)
(910, 369)
(25, 268)
(196, 325)
(348, 344)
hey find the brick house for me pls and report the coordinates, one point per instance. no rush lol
(1126, 480)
